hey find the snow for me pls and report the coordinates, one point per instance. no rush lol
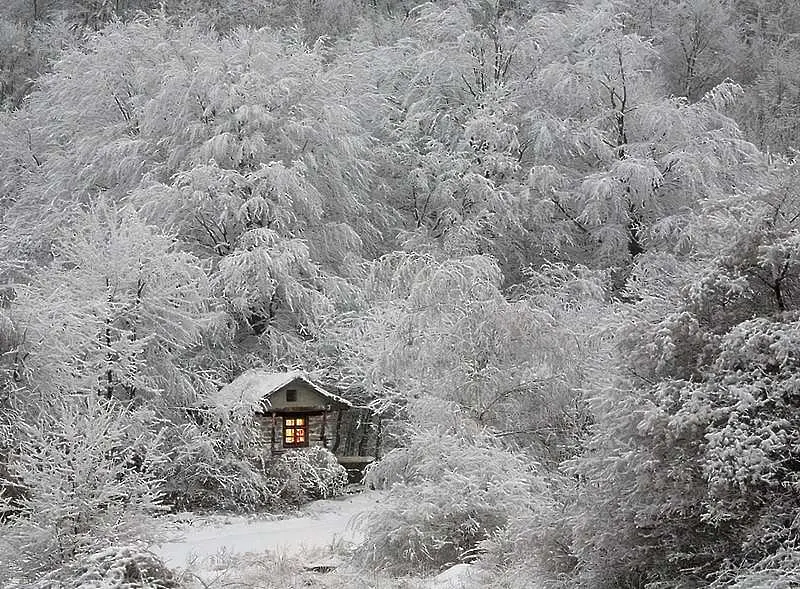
(460, 576)
(321, 525)
(254, 385)
(222, 550)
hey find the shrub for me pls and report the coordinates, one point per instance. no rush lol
(215, 467)
(448, 494)
(11, 491)
(209, 468)
(536, 544)
(299, 476)
(776, 571)
(125, 567)
(88, 478)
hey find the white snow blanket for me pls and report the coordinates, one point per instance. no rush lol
(320, 525)
(460, 576)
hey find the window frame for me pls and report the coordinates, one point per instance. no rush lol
(290, 425)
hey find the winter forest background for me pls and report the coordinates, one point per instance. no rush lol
(553, 243)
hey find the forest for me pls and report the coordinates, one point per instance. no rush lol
(553, 244)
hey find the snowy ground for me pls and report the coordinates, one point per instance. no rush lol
(317, 528)
(236, 552)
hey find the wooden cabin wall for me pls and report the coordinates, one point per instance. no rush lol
(263, 423)
(306, 398)
(355, 432)
(263, 427)
(359, 434)
(315, 430)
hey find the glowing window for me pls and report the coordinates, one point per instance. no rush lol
(295, 431)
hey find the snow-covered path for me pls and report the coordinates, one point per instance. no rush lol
(319, 525)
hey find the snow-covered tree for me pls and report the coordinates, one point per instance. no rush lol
(699, 43)
(690, 464)
(450, 145)
(246, 148)
(86, 467)
(615, 163)
(473, 377)
(114, 314)
(444, 329)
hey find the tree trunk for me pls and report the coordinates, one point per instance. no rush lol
(337, 436)
(322, 432)
(272, 435)
(378, 437)
(364, 427)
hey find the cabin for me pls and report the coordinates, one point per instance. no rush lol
(291, 411)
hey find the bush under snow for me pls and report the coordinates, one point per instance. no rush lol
(448, 495)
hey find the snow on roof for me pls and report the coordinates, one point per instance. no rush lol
(251, 387)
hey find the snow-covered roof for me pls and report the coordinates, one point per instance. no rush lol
(255, 385)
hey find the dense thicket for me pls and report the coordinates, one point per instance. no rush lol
(554, 244)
